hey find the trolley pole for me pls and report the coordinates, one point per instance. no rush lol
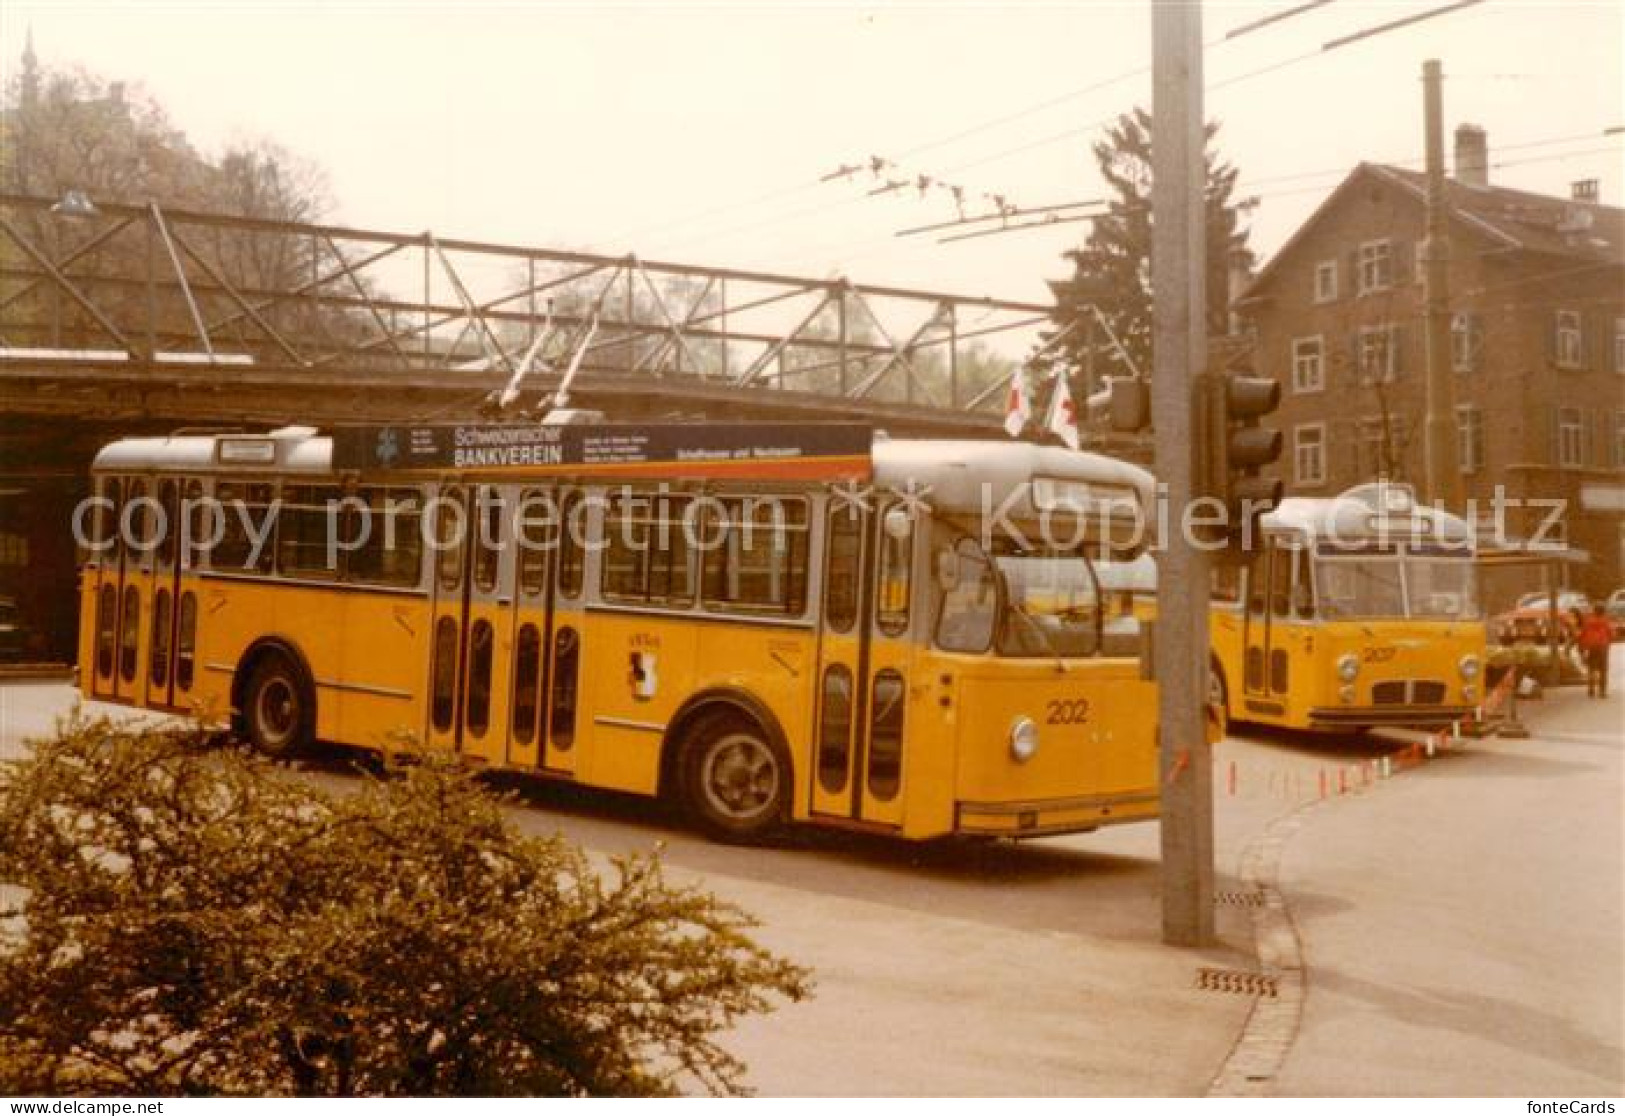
(1179, 315)
(1443, 474)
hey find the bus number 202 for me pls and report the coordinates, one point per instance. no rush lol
(1068, 711)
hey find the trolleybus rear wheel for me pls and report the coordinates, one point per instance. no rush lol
(277, 710)
(735, 782)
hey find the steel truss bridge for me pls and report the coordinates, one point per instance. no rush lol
(134, 314)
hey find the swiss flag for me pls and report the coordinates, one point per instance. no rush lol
(1018, 409)
(1063, 414)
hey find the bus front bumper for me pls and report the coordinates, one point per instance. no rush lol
(1343, 716)
(1049, 816)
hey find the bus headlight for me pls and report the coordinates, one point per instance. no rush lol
(1023, 739)
(1345, 694)
(1469, 667)
(1348, 667)
(1469, 693)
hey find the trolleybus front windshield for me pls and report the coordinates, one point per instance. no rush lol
(1390, 586)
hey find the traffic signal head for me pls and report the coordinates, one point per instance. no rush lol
(1233, 448)
(1129, 404)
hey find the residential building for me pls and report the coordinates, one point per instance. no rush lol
(1537, 294)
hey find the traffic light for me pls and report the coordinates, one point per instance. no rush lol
(1128, 404)
(1233, 448)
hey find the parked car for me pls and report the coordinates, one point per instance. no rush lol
(1526, 622)
(1616, 613)
(13, 635)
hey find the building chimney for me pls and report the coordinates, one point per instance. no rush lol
(1472, 156)
(1584, 190)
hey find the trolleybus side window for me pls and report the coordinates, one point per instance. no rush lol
(527, 676)
(536, 533)
(647, 558)
(835, 728)
(247, 527)
(841, 577)
(566, 664)
(105, 540)
(384, 525)
(896, 562)
(158, 659)
(186, 640)
(886, 735)
(968, 612)
(306, 546)
(443, 691)
(200, 529)
(106, 637)
(572, 544)
(1281, 580)
(137, 522)
(489, 537)
(755, 554)
(482, 640)
(129, 633)
(167, 522)
(450, 525)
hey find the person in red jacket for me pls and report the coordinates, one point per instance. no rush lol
(1596, 634)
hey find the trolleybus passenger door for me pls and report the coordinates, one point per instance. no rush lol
(142, 525)
(1269, 606)
(488, 626)
(562, 639)
(166, 561)
(863, 665)
(104, 572)
(452, 530)
(535, 537)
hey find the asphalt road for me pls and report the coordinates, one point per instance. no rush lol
(1461, 925)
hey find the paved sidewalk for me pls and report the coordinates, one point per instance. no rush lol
(1463, 925)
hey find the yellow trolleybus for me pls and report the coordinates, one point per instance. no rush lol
(766, 622)
(1360, 610)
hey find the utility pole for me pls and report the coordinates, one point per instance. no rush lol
(1442, 475)
(1179, 316)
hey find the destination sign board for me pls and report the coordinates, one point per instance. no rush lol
(806, 450)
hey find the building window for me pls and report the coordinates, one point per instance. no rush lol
(1466, 341)
(1376, 266)
(1619, 344)
(1570, 437)
(1309, 453)
(1568, 339)
(1326, 281)
(1308, 364)
(1382, 447)
(1377, 353)
(1469, 439)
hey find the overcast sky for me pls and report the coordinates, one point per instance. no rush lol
(699, 132)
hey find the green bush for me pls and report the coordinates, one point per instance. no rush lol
(188, 922)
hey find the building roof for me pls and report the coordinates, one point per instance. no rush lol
(1515, 220)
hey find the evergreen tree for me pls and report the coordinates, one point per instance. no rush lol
(1112, 271)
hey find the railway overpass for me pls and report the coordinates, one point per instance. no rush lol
(121, 319)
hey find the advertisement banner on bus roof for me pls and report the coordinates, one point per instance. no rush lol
(835, 451)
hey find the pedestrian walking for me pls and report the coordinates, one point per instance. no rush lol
(1595, 637)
